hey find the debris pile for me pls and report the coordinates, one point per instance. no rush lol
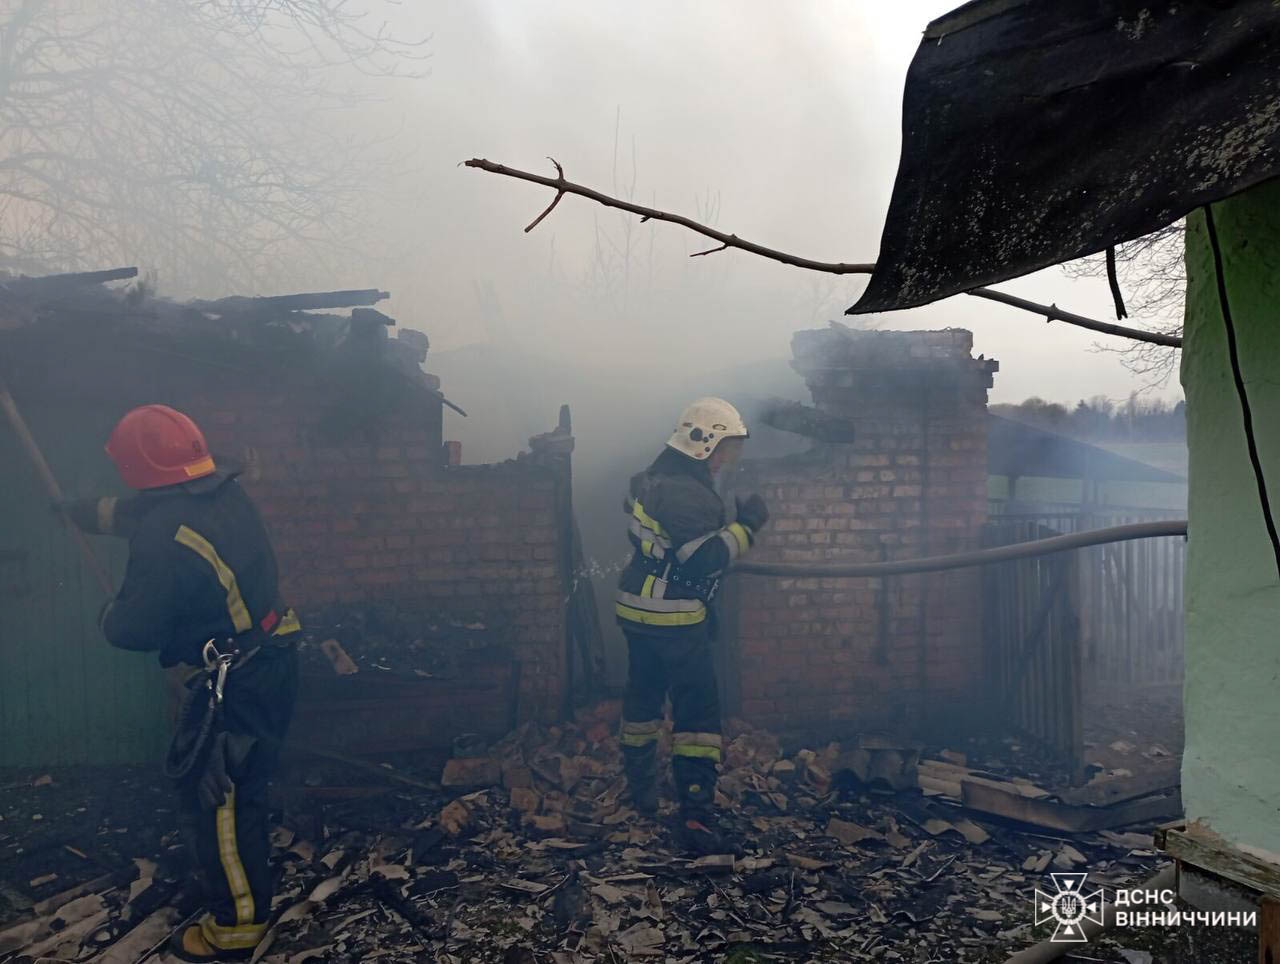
(529, 852)
(386, 639)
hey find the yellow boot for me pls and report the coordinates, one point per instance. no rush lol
(193, 944)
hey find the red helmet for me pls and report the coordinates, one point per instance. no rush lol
(154, 446)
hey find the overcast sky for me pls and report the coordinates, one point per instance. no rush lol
(778, 121)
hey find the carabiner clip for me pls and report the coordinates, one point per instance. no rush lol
(224, 664)
(216, 664)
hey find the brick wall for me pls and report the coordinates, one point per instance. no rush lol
(825, 655)
(383, 520)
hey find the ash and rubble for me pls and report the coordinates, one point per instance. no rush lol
(528, 852)
(386, 639)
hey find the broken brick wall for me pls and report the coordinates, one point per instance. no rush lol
(830, 655)
(380, 519)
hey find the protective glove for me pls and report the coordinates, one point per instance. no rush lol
(89, 515)
(753, 513)
(103, 516)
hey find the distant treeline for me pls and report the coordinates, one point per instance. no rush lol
(1099, 419)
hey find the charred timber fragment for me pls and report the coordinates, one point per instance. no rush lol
(312, 301)
(70, 279)
(800, 419)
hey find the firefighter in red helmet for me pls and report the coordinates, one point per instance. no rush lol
(201, 590)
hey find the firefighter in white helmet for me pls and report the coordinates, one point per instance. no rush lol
(683, 542)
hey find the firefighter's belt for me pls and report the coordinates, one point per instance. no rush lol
(704, 588)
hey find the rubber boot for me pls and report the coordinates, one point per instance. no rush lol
(190, 944)
(698, 834)
(640, 764)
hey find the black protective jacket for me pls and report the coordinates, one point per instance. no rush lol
(200, 567)
(683, 545)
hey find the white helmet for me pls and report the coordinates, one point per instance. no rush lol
(703, 425)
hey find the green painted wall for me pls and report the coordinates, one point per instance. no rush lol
(66, 697)
(1231, 769)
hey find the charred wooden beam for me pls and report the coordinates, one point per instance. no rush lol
(451, 405)
(73, 278)
(807, 421)
(372, 316)
(308, 301)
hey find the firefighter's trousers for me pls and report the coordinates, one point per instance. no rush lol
(679, 664)
(232, 843)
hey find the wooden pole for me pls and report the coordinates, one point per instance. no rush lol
(50, 483)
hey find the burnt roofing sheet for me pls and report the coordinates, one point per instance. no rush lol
(1039, 131)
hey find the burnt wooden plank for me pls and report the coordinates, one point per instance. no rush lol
(1065, 817)
(1206, 852)
(306, 301)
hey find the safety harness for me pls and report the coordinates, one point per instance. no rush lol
(202, 715)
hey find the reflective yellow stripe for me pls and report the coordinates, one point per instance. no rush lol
(229, 855)
(698, 752)
(704, 746)
(646, 618)
(647, 520)
(231, 938)
(657, 603)
(697, 739)
(647, 590)
(646, 548)
(641, 726)
(740, 533)
(639, 734)
(289, 623)
(235, 604)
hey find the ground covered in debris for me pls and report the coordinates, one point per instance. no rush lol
(529, 853)
(385, 640)
(1133, 727)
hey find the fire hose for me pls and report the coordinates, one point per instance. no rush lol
(962, 560)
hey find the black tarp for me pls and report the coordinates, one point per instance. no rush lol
(1039, 131)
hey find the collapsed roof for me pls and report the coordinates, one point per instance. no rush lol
(236, 332)
(1035, 133)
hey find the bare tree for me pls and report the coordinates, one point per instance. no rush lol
(627, 264)
(194, 137)
(1153, 278)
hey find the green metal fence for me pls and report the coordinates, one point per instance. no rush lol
(66, 697)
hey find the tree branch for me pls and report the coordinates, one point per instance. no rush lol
(552, 206)
(562, 187)
(653, 214)
(1054, 313)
